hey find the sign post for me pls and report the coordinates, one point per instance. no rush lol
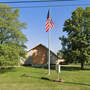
(58, 70)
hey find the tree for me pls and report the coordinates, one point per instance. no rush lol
(8, 55)
(10, 26)
(12, 40)
(76, 45)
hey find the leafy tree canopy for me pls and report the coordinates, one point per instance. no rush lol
(10, 26)
(12, 40)
(76, 45)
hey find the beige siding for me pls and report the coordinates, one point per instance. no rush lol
(39, 55)
(53, 58)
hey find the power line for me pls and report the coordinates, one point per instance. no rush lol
(37, 1)
(49, 6)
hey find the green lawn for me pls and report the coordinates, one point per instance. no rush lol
(28, 78)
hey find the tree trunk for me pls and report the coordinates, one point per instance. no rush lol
(0, 69)
(82, 65)
(1, 42)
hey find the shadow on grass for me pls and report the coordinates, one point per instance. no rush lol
(77, 83)
(44, 78)
(35, 77)
(71, 68)
(8, 69)
(65, 68)
(47, 79)
(44, 67)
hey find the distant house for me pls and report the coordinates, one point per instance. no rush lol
(39, 56)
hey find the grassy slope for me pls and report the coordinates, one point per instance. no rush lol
(28, 78)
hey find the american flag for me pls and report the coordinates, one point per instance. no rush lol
(49, 22)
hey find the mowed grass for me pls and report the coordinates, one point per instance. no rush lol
(30, 78)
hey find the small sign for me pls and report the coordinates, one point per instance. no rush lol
(58, 68)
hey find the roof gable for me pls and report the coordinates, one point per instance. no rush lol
(44, 47)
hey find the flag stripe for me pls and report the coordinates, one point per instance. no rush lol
(49, 23)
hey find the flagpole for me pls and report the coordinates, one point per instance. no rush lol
(49, 25)
(49, 52)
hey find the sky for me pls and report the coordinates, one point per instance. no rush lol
(36, 20)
